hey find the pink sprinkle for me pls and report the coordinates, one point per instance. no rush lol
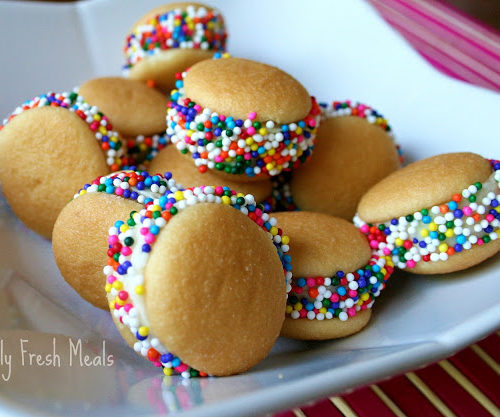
(126, 251)
(111, 279)
(352, 293)
(411, 263)
(252, 116)
(117, 306)
(407, 244)
(127, 307)
(168, 206)
(260, 222)
(251, 130)
(334, 298)
(113, 239)
(374, 244)
(144, 230)
(480, 242)
(302, 313)
(386, 251)
(247, 157)
(219, 158)
(219, 190)
(311, 282)
(119, 191)
(258, 212)
(467, 210)
(365, 228)
(197, 107)
(123, 295)
(361, 107)
(150, 238)
(490, 218)
(94, 126)
(312, 123)
(181, 368)
(351, 312)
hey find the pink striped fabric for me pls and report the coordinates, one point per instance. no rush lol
(453, 43)
(463, 48)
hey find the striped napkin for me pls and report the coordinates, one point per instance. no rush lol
(468, 383)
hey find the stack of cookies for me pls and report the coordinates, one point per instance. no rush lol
(205, 199)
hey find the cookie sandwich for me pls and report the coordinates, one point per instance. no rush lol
(436, 215)
(171, 38)
(336, 276)
(49, 147)
(197, 284)
(354, 150)
(241, 118)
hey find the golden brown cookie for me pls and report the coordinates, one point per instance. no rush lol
(352, 153)
(79, 239)
(336, 277)
(47, 152)
(199, 33)
(203, 286)
(133, 107)
(136, 111)
(240, 117)
(185, 173)
(437, 215)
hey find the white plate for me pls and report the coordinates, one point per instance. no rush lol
(338, 50)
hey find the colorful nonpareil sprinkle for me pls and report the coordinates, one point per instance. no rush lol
(469, 218)
(236, 146)
(142, 149)
(192, 28)
(131, 242)
(353, 108)
(97, 122)
(281, 195)
(340, 296)
(133, 185)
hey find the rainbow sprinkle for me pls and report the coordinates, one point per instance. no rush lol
(130, 244)
(340, 296)
(192, 28)
(470, 218)
(132, 185)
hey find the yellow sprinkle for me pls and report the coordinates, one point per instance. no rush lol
(111, 306)
(179, 195)
(449, 233)
(269, 166)
(119, 302)
(103, 130)
(298, 130)
(108, 287)
(365, 296)
(97, 117)
(143, 330)
(156, 207)
(424, 233)
(271, 152)
(399, 242)
(226, 55)
(139, 290)
(289, 309)
(383, 271)
(262, 131)
(323, 310)
(167, 371)
(249, 141)
(285, 240)
(297, 306)
(254, 147)
(273, 230)
(117, 285)
(443, 247)
(225, 199)
(433, 227)
(124, 228)
(240, 195)
(82, 192)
